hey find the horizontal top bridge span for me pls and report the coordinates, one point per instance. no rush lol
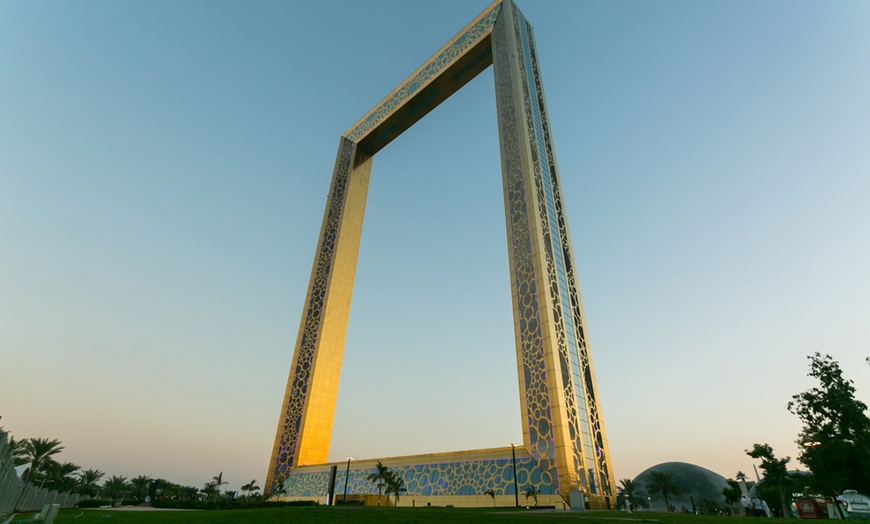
(447, 71)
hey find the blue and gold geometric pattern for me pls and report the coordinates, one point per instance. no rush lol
(422, 480)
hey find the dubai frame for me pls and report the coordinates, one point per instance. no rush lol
(564, 444)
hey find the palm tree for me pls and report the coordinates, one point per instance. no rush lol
(742, 478)
(19, 451)
(189, 492)
(115, 487)
(219, 481)
(395, 485)
(379, 477)
(633, 493)
(662, 484)
(163, 488)
(491, 493)
(63, 479)
(209, 489)
(38, 452)
(88, 481)
(250, 487)
(533, 492)
(140, 486)
(278, 489)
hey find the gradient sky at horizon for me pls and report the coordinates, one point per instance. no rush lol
(164, 168)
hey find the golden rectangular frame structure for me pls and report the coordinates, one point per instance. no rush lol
(563, 430)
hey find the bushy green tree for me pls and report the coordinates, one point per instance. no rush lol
(773, 488)
(838, 422)
(731, 493)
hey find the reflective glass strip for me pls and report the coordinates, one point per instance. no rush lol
(567, 317)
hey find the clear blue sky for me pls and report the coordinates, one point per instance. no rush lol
(164, 167)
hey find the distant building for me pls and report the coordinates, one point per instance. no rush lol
(695, 483)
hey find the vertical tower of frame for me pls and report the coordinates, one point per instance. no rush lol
(562, 426)
(305, 424)
(561, 415)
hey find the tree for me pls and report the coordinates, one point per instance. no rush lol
(379, 478)
(19, 451)
(533, 492)
(162, 488)
(219, 481)
(395, 484)
(491, 493)
(250, 487)
(832, 409)
(633, 493)
(838, 422)
(742, 478)
(210, 489)
(731, 493)
(38, 452)
(662, 484)
(115, 487)
(188, 492)
(89, 481)
(278, 488)
(776, 478)
(140, 486)
(62, 478)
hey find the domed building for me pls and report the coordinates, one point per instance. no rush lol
(694, 482)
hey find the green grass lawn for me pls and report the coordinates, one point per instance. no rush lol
(368, 514)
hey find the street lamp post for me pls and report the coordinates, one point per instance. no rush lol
(813, 446)
(516, 485)
(346, 476)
